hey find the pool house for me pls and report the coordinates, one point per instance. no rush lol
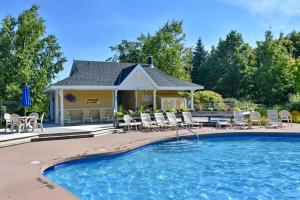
(100, 87)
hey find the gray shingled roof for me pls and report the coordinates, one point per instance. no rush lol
(95, 73)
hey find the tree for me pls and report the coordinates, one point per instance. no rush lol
(294, 37)
(27, 55)
(199, 57)
(229, 67)
(275, 74)
(166, 46)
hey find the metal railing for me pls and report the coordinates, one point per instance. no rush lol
(186, 128)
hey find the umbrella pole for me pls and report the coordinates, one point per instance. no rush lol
(25, 111)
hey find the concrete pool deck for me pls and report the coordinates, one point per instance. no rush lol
(21, 166)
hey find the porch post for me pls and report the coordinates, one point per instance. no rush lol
(192, 99)
(115, 101)
(154, 100)
(136, 99)
(61, 107)
(56, 106)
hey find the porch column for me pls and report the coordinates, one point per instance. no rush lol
(61, 107)
(51, 105)
(136, 99)
(154, 100)
(192, 99)
(115, 99)
(56, 106)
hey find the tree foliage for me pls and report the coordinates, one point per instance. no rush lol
(27, 55)
(167, 46)
(207, 96)
(199, 57)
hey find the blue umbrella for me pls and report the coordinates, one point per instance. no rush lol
(25, 101)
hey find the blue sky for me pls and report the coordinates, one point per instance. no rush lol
(86, 28)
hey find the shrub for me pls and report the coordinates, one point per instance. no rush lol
(296, 116)
(294, 102)
(207, 96)
(172, 110)
(246, 105)
(118, 114)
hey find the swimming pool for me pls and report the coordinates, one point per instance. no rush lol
(222, 167)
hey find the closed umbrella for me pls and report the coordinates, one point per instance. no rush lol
(25, 101)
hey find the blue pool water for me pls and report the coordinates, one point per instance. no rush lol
(226, 167)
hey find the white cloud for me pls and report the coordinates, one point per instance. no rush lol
(286, 7)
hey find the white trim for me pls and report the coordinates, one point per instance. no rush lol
(138, 68)
(115, 99)
(180, 88)
(70, 109)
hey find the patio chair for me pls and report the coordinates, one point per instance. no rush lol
(40, 122)
(86, 115)
(273, 119)
(255, 117)
(16, 123)
(147, 123)
(286, 116)
(67, 117)
(172, 119)
(161, 122)
(105, 116)
(239, 120)
(7, 121)
(129, 122)
(31, 122)
(223, 123)
(189, 121)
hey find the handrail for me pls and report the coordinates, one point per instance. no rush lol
(177, 133)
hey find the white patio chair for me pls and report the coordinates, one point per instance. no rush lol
(86, 115)
(16, 123)
(189, 121)
(67, 117)
(39, 123)
(147, 123)
(286, 116)
(239, 120)
(273, 119)
(32, 121)
(129, 122)
(7, 121)
(161, 122)
(223, 123)
(255, 117)
(104, 116)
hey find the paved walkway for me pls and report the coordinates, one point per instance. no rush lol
(21, 166)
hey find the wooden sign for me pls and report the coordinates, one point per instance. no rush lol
(90, 101)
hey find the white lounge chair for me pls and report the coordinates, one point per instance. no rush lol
(147, 123)
(255, 117)
(239, 120)
(129, 122)
(7, 121)
(173, 120)
(86, 115)
(273, 120)
(161, 122)
(16, 123)
(189, 121)
(286, 116)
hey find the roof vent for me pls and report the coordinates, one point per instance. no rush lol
(150, 61)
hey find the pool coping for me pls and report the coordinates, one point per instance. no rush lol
(138, 143)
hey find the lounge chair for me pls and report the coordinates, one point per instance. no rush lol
(189, 121)
(273, 119)
(286, 116)
(67, 117)
(7, 121)
(147, 123)
(255, 117)
(161, 122)
(172, 120)
(223, 123)
(129, 122)
(239, 120)
(17, 123)
(86, 115)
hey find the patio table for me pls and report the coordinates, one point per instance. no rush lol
(25, 120)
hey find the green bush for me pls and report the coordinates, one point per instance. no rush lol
(207, 96)
(294, 102)
(118, 114)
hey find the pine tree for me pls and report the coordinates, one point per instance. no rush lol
(199, 57)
